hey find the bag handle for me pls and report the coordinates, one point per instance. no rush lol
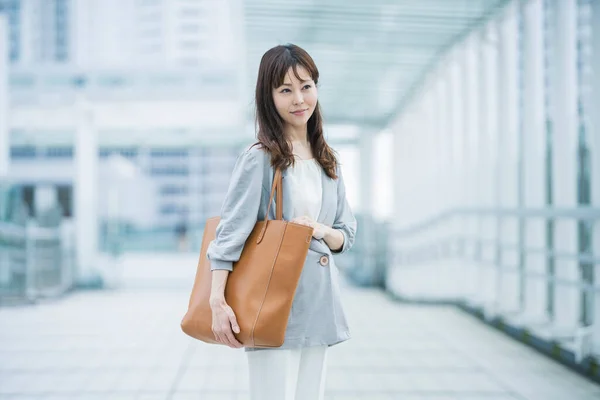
(277, 186)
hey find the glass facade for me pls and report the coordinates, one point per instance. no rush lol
(584, 162)
(12, 8)
(549, 58)
(61, 30)
(50, 35)
(187, 181)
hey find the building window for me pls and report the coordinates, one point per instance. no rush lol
(174, 190)
(149, 2)
(23, 152)
(189, 28)
(13, 15)
(59, 152)
(61, 27)
(169, 153)
(190, 44)
(190, 12)
(170, 171)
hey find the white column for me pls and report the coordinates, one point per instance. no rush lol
(442, 143)
(564, 95)
(471, 171)
(468, 173)
(427, 188)
(46, 197)
(85, 195)
(366, 172)
(366, 192)
(4, 133)
(84, 38)
(595, 151)
(508, 126)
(444, 181)
(456, 180)
(401, 201)
(488, 152)
(30, 31)
(533, 153)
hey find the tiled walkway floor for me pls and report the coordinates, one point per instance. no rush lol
(126, 344)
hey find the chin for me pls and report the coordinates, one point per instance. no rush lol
(298, 124)
(302, 124)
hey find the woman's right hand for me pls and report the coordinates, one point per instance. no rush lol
(224, 323)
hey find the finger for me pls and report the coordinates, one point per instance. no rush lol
(232, 340)
(227, 335)
(233, 320)
(218, 337)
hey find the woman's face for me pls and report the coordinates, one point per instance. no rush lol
(296, 99)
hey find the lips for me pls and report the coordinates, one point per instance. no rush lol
(299, 112)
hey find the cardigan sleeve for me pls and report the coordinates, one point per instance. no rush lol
(344, 218)
(238, 212)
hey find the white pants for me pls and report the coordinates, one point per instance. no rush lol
(295, 374)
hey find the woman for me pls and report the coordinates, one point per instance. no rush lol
(290, 136)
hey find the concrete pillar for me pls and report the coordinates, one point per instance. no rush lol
(194, 194)
(366, 196)
(144, 159)
(403, 278)
(471, 170)
(595, 151)
(366, 143)
(456, 167)
(46, 197)
(564, 159)
(441, 143)
(533, 156)
(400, 202)
(444, 182)
(4, 130)
(508, 126)
(436, 147)
(488, 157)
(426, 189)
(85, 187)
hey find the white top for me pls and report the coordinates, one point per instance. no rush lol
(304, 181)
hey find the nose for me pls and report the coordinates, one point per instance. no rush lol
(298, 98)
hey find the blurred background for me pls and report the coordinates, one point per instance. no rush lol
(469, 136)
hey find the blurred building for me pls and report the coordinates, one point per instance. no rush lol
(143, 52)
(120, 33)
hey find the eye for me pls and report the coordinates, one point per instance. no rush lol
(307, 86)
(284, 90)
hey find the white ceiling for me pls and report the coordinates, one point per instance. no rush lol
(370, 54)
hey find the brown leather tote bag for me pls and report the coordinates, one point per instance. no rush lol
(261, 287)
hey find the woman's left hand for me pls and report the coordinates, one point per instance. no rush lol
(318, 229)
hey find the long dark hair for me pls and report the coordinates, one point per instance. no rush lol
(274, 65)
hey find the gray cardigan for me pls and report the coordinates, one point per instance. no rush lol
(317, 316)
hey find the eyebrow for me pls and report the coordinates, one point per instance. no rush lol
(289, 84)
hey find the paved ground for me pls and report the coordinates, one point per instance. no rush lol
(126, 344)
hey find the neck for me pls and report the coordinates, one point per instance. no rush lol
(297, 134)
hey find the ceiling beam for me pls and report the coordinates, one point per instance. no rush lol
(443, 9)
(405, 100)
